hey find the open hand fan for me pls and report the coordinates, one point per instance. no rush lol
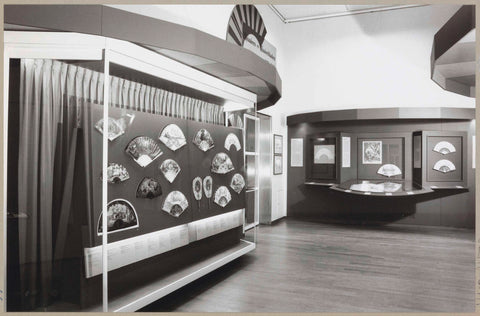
(222, 196)
(143, 150)
(203, 140)
(444, 166)
(444, 148)
(230, 140)
(222, 164)
(116, 173)
(149, 188)
(175, 203)
(170, 169)
(172, 136)
(120, 216)
(389, 170)
(237, 183)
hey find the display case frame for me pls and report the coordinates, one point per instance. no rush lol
(422, 173)
(345, 166)
(73, 46)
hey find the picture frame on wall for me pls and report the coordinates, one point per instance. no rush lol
(372, 152)
(277, 144)
(277, 164)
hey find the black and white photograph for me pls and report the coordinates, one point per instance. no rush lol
(207, 157)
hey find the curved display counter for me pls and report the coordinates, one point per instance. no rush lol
(422, 156)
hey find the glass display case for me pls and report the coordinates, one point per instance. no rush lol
(147, 194)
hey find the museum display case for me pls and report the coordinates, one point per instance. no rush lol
(157, 201)
(422, 160)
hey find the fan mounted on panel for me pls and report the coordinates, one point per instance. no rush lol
(232, 140)
(389, 170)
(143, 150)
(121, 215)
(444, 148)
(175, 203)
(444, 166)
(222, 196)
(172, 136)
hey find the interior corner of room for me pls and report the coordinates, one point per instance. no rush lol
(186, 157)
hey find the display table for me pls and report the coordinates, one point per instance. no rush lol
(380, 188)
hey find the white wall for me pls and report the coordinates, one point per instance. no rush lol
(379, 59)
(371, 60)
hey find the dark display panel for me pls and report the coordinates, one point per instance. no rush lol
(448, 161)
(443, 159)
(373, 153)
(201, 165)
(192, 161)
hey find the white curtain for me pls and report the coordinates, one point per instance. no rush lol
(54, 98)
(139, 97)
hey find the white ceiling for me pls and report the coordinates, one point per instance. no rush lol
(299, 13)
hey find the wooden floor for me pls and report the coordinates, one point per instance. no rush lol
(301, 266)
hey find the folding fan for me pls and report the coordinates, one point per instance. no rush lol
(203, 140)
(222, 164)
(237, 183)
(170, 169)
(116, 173)
(444, 148)
(143, 150)
(444, 166)
(121, 215)
(172, 136)
(175, 203)
(232, 139)
(389, 170)
(222, 196)
(149, 188)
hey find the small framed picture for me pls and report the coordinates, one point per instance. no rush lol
(277, 144)
(277, 164)
(372, 152)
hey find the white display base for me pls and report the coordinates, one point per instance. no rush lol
(127, 251)
(158, 288)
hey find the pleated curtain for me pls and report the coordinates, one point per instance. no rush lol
(54, 98)
(136, 96)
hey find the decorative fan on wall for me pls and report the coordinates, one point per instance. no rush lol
(116, 173)
(237, 183)
(389, 170)
(143, 150)
(444, 166)
(207, 188)
(222, 196)
(444, 148)
(203, 140)
(170, 169)
(232, 140)
(222, 164)
(116, 127)
(197, 188)
(175, 203)
(244, 21)
(121, 215)
(149, 188)
(172, 136)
